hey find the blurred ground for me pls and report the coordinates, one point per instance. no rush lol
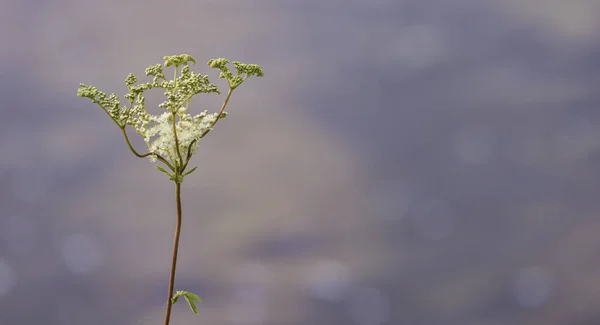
(418, 161)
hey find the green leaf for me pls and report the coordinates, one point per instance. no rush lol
(176, 296)
(189, 297)
(190, 171)
(162, 170)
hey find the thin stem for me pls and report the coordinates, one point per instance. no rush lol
(174, 112)
(159, 157)
(174, 115)
(178, 200)
(220, 112)
(189, 155)
(175, 249)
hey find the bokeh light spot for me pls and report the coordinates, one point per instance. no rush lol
(369, 306)
(390, 200)
(533, 286)
(329, 280)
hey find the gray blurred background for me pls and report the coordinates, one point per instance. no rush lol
(415, 162)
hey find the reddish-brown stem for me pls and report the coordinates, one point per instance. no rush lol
(175, 249)
(220, 112)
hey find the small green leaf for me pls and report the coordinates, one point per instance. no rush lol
(191, 299)
(190, 171)
(176, 296)
(162, 170)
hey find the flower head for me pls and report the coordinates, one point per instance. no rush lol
(161, 139)
(173, 136)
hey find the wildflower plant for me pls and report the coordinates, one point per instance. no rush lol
(172, 137)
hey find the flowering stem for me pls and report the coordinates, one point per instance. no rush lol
(179, 92)
(175, 249)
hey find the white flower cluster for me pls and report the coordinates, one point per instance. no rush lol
(188, 128)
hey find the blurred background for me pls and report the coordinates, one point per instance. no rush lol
(402, 162)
